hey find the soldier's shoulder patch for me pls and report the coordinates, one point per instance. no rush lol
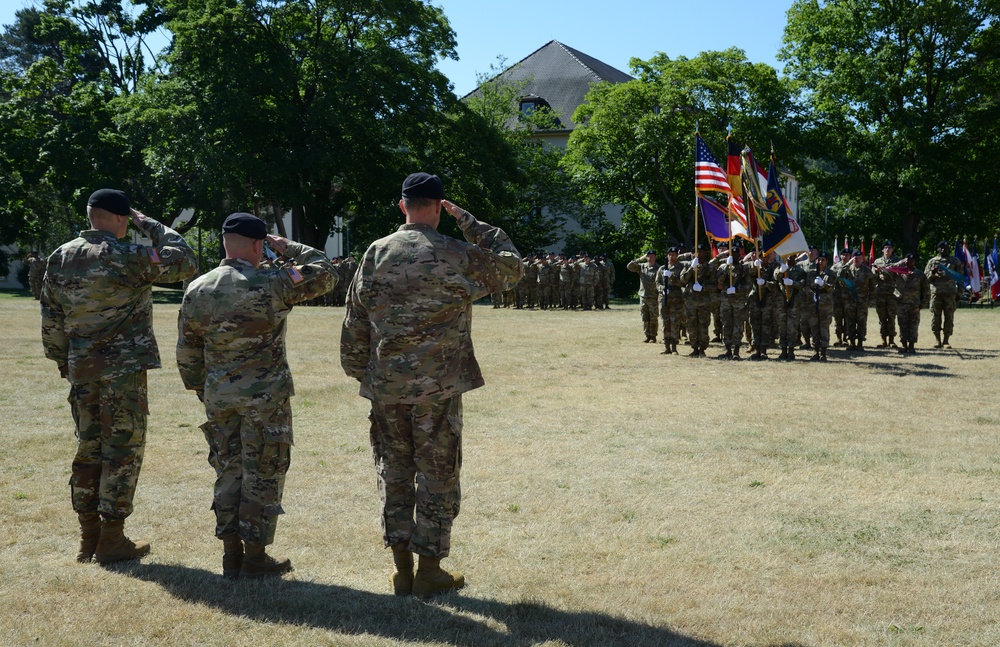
(154, 256)
(294, 274)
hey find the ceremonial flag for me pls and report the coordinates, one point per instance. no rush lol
(708, 175)
(714, 217)
(733, 169)
(864, 255)
(836, 249)
(972, 270)
(771, 214)
(741, 224)
(871, 253)
(992, 263)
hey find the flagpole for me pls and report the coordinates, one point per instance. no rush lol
(696, 133)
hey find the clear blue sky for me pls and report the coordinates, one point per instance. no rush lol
(612, 32)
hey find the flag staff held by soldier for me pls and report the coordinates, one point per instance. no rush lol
(97, 308)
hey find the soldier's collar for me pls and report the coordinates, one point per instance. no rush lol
(411, 226)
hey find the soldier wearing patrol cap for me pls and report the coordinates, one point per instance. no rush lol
(942, 272)
(231, 353)
(97, 309)
(885, 302)
(407, 339)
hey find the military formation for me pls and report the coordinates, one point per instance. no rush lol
(784, 305)
(553, 282)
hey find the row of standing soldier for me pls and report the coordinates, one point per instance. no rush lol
(567, 283)
(781, 302)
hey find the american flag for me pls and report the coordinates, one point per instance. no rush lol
(708, 175)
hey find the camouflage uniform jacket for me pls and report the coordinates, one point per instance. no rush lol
(231, 327)
(669, 286)
(913, 288)
(647, 276)
(789, 293)
(735, 275)
(863, 281)
(97, 304)
(589, 274)
(884, 281)
(407, 333)
(941, 282)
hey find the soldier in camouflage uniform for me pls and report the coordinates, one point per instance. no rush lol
(231, 352)
(552, 285)
(589, 278)
(762, 302)
(531, 281)
(607, 281)
(36, 274)
(840, 294)
(733, 285)
(565, 284)
(944, 293)
(97, 310)
(859, 281)
(808, 266)
(820, 283)
(885, 301)
(646, 268)
(789, 280)
(696, 277)
(29, 262)
(543, 268)
(670, 289)
(407, 338)
(913, 293)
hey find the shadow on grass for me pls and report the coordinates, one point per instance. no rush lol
(452, 619)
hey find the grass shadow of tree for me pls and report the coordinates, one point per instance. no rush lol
(452, 619)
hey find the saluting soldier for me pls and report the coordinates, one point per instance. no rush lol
(941, 272)
(670, 289)
(97, 311)
(646, 268)
(789, 282)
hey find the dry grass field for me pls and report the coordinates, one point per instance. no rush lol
(612, 496)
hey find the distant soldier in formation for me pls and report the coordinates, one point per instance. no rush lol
(698, 280)
(543, 269)
(646, 268)
(789, 282)
(912, 293)
(670, 289)
(97, 311)
(36, 267)
(839, 298)
(941, 272)
(530, 281)
(859, 282)
(733, 285)
(820, 282)
(565, 285)
(589, 278)
(763, 301)
(808, 266)
(885, 301)
(552, 284)
(720, 247)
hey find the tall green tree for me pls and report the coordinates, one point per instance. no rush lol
(902, 97)
(635, 142)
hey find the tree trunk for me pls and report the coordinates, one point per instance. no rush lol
(911, 239)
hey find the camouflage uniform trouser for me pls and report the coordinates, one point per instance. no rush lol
(761, 322)
(788, 323)
(733, 312)
(717, 315)
(819, 322)
(839, 322)
(110, 417)
(250, 449)
(565, 296)
(670, 311)
(699, 312)
(885, 307)
(648, 308)
(856, 320)
(909, 321)
(587, 297)
(418, 458)
(943, 304)
(543, 296)
(531, 295)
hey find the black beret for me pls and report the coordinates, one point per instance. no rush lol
(857, 252)
(911, 256)
(942, 245)
(672, 250)
(111, 200)
(423, 185)
(888, 243)
(824, 255)
(650, 251)
(813, 247)
(245, 224)
(721, 244)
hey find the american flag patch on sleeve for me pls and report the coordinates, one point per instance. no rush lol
(154, 256)
(295, 275)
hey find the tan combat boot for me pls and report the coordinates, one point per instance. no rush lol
(257, 563)
(431, 579)
(90, 534)
(937, 336)
(114, 546)
(402, 578)
(232, 557)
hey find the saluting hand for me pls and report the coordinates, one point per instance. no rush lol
(453, 208)
(278, 243)
(137, 217)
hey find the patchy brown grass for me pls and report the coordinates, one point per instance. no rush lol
(612, 495)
